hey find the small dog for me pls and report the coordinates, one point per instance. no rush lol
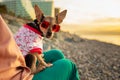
(29, 38)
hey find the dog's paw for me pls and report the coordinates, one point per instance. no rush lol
(42, 55)
(49, 65)
(41, 68)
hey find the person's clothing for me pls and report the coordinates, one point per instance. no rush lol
(29, 40)
(12, 63)
(13, 67)
(62, 69)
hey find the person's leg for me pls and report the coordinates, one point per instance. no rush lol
(53, 55)
(62, 69)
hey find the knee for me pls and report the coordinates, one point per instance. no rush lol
(69, 67)
(65, 63)
(58, 53)
(53, 55)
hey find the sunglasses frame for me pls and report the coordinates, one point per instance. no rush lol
(45, 24)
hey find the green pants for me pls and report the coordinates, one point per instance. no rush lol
(62, 69)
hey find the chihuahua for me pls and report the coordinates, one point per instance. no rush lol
(29, 38)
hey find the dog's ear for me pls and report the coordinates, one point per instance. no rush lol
(60, 16)
(38, 12)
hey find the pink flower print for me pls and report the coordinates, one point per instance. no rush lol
(35, 47)
(21, 50)
(19, 44)
(40, 37)
(27, 42)
(26, 38)
(34, 40)
(17, 36)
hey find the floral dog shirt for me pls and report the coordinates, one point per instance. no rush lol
(29, 40)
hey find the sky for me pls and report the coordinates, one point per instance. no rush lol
(82, 11)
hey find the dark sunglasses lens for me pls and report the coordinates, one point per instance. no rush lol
(45, 24)
(56, 28)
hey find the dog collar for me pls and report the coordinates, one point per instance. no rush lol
(35, 26)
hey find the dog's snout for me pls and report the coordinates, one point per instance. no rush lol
(49, 33)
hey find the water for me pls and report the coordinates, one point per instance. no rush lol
(114, 39)
(109, 34)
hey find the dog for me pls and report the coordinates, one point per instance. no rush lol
(29, 38)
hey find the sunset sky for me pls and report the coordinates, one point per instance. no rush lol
(82, 11)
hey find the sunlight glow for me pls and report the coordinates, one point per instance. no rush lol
(80, 11)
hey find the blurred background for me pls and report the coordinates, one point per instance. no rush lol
(89, 36)
(91, 19)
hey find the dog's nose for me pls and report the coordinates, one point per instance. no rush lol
(49, 33)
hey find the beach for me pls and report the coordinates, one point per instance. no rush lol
(95, 60)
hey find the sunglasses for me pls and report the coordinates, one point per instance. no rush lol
(55, 27)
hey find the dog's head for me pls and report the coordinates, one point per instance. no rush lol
(48, 25)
